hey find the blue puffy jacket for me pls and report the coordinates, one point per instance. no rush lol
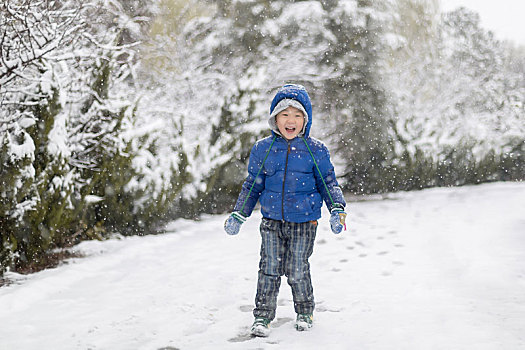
(289, 186)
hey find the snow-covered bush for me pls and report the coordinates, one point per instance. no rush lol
(36, 181)
(68, 108)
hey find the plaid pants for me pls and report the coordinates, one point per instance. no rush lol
(285, 249)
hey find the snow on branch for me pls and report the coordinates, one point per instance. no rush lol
(32, 29)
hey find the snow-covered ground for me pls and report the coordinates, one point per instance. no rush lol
(435, 269)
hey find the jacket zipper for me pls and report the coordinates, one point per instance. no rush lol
(284, 180)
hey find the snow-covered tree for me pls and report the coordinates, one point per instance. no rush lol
(31, 100)
(62, 122)
(449, 85)
(354, 94)
(412, 65)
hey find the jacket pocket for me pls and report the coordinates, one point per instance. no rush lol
(315, 200)
(299, 205)
(268, 224)
(270, 202)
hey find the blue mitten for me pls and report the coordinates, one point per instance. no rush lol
(233, 223)
(337, 219)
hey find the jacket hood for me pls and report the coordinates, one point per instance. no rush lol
(293, 92)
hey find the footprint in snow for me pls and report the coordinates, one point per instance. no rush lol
(246, 308)
(244, 335)
(323, 308)
(280, 321)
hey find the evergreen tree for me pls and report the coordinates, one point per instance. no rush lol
(36, 181)
(354, 96)
(60, 118)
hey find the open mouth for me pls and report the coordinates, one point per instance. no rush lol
(290, 128)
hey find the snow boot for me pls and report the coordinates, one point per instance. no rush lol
(304, 322)
(260, 327)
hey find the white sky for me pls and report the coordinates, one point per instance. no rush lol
(503, 17)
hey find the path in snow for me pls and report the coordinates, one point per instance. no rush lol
(435, 269)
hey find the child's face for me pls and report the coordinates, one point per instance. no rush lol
(290, 122)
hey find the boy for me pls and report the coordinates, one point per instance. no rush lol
(291, 174)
